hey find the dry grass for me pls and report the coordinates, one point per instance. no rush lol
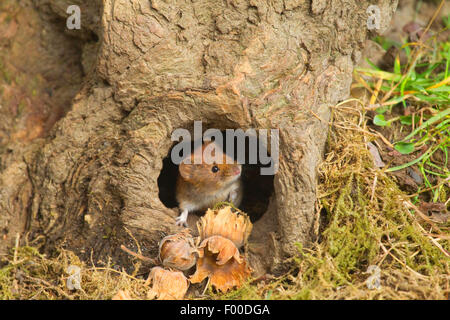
(34, 276)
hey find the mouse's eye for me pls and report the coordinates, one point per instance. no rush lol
(215, 169)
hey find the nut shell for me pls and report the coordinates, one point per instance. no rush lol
(167, 284)
(221, 262)
(178, 251)
(223, 222)
(122, 295)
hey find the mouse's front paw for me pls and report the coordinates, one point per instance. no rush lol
(232, 197)
(181, 220)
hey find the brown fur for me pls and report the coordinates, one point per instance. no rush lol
(198, 186)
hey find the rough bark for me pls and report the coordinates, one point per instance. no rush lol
(160, 65)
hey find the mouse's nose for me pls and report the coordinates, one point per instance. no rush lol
(237, 170)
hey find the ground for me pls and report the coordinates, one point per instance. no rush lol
(396, 221)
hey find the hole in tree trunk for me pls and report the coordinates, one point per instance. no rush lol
(257, 188)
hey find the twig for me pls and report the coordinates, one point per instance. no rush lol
(206, 287)
(50, 286)
(135, 240)
(374, 187)
(386, 141)
(409, 204)
(137, 255)
(429, 189)
(401, 262)
(122, 273)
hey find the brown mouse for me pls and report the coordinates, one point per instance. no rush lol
(201, 186)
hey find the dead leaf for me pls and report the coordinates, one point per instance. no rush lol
(375, 155)
(417, 177)
(437, 211)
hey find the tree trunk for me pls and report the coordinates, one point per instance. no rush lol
(155, 66)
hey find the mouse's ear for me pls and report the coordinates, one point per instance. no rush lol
(186, 171)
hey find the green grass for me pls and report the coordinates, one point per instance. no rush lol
(423, 82)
